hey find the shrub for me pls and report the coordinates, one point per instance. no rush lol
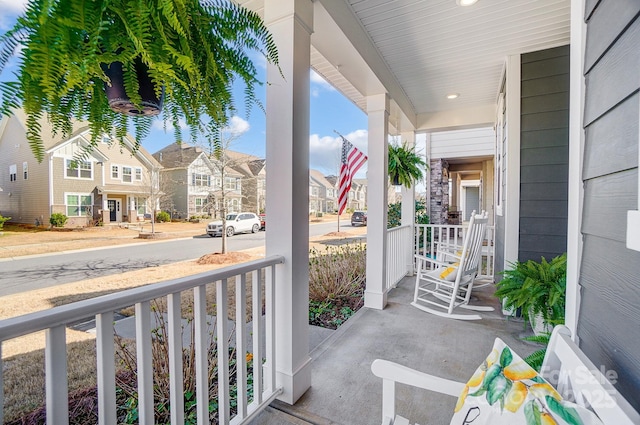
(2, 220)
(336, 284)
(58, 219)
(163, 217)
(126, 382)
(336, 273)
(394, 214)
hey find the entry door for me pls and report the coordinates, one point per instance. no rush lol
(111, 204)
(471, 201)
(115, 213)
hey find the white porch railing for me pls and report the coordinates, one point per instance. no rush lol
(55, 321)
(427, 236)
(399, 254)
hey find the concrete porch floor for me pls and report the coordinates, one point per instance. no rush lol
(345, 392)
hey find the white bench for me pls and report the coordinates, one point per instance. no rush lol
(565, 367)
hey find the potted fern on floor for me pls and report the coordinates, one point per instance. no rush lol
(538, 290)
(191, 51)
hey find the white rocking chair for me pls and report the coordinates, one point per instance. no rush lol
(448, 285)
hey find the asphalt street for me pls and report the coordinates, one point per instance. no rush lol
(24, 274)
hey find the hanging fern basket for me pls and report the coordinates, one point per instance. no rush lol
(119, 101)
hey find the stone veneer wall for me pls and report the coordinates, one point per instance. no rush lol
(439, 188)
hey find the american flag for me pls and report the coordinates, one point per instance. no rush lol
(351, 161)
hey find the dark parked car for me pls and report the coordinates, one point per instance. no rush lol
(359, 217)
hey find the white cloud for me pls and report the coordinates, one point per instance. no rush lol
(14, 7)
(158, 124)
(9, 11)
(324, 152)
(237, 126)
(319, 82)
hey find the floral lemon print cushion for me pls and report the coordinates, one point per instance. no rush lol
(505, 390)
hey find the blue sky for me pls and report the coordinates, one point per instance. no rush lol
(330, 111)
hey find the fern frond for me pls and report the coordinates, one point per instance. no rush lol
(536, 358)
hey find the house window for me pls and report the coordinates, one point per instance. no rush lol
(126, 174)
(78, 205)
(230, 183)
(140, 205)
(200, 204)
(79, 169)
(25, 170)
(13, 172)
(115, 172)
(138, 174)
(200, 180)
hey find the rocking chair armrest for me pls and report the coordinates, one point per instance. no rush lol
(432, 260)
(397, 373)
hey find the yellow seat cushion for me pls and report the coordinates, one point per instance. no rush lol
(450, 273)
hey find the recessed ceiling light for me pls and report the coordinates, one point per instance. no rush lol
(466, 2)
(453, 96)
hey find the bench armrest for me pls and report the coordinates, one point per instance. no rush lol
(392, 372)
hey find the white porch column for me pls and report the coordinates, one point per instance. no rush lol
(408, 212)
(375, 294)
(287, 194)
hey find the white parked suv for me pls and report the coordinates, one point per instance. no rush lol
(236, 223)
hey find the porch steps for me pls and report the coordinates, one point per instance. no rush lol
(279, 413)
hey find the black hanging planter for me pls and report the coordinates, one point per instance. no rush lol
(396, 180)
(117, 95)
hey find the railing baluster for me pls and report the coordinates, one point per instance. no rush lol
(270, 328)
(144, 363)
(223, 351)
(202, 350)
(256, 296)
(241, 344)
(57, 388)
(105, 356)
(176, 385)
(55, 320)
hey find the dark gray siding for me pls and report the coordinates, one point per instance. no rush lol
(609, 317)
(544, 153)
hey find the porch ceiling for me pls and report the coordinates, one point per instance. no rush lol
(420, 51)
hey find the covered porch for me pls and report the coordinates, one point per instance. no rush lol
(397, 82)
(344, 391)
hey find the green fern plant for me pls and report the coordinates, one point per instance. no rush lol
(536, 358)
(193, 49)
(405, 165)
(536, 288)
